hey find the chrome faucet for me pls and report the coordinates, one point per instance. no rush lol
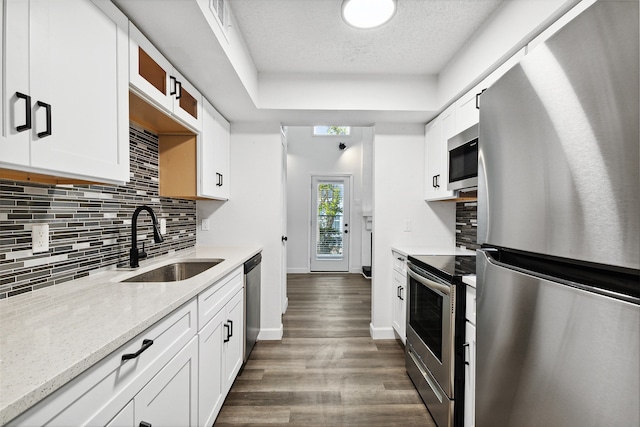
(135, 254)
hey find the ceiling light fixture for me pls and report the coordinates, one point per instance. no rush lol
(364, 14)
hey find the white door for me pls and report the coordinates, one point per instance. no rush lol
(169, 399)
(210, 377)
(75, 49)
(15, 109)
(283, 191)
(234, 340)
(330, 223)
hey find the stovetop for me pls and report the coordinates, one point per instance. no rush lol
(449, 267)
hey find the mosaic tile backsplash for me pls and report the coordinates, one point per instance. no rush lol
(467, 225)
(89, 225)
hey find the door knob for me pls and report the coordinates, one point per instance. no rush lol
(284, 238)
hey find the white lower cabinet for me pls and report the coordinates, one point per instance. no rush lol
(470, 376)
(100, 393)
(399, 281)
(169, 399)
(470, 359)
(172, 374)
(221, 343)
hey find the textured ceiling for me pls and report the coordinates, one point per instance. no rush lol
(309, 36)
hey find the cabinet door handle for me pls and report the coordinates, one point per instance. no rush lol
(438, 181)
(178, 89)
(145, 424)
(145, 345)
(433, 181)
(466, 346)
(27, 112)
(478, 99)
(230, 327)
(400, 296)
(174, 85)
(226, 328)
(47, 131)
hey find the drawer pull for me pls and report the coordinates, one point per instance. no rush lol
(145, 345)
(144, 424)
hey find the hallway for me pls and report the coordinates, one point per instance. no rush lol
(326, 371)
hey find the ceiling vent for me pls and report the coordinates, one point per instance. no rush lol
(219, 9)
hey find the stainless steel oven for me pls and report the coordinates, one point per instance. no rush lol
(435, 334)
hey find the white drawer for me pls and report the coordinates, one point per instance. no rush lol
(470, 310)
(97, 395)
(213, 299)
(399, 262)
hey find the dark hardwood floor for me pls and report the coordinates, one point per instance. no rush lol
(326, 371)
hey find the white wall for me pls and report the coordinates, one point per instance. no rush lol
(252, 213)
(398, 160)
(319, 155)
(347, 92)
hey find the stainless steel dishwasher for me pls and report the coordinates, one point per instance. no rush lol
(251, 303)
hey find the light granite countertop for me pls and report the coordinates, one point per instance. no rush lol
(422, 250)
(50, 336)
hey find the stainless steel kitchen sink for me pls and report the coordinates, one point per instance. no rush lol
(176, 271)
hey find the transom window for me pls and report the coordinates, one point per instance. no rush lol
(331, 130)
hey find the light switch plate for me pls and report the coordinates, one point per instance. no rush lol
(40, 238)
(205, 224)
(406, 224)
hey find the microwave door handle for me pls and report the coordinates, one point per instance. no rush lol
(430, 283)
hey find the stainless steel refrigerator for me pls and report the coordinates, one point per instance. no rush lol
(558, 316)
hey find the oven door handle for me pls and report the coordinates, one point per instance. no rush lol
(430, 283)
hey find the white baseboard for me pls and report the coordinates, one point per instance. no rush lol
(297, 270)
(271, 334)
(286, 305)
(381, 333)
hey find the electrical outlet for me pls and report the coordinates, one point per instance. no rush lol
(40, 238)
(205, 224)
(407, 225)
(163, 226)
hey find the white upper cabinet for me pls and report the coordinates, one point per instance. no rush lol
(154, 78)
(436, 165)
(64, 109)
(213, 158)
(468, 106)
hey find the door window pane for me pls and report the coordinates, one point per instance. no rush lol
(330, 220)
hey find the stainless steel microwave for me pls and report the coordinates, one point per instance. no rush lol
(463, 159)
